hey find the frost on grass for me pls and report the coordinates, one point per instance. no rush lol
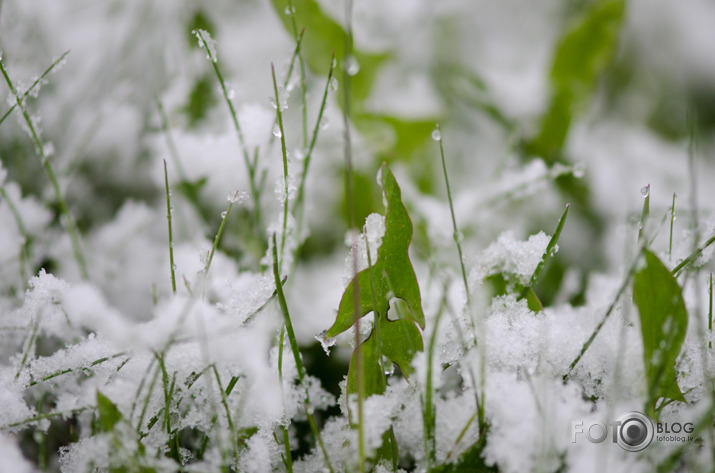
(206, 42)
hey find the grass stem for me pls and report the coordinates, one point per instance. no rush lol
(298, 206)
(296, 355)
(672, 219)
(171, 234)
(251, 166)
(284, 152)
(64, 211)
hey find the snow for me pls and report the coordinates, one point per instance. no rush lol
(125, 333)
(514, 259)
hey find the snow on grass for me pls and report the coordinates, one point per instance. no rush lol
(116, 372)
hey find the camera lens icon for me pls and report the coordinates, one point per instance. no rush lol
(635, 431)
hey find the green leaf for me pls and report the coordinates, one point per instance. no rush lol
(664, 322)
(391, 276)
(109, 414)
(582, 55)
(392, 272)
(399, 341)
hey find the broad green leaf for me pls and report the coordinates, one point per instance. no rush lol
(373, 376)
(109, 414)
(399, 341)
(390, 277)
(664, 322)
(392, 273)
(582, 55)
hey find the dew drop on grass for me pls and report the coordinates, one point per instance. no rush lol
(277, 131)
(334, 63)
(645, 190)
(324, 123)
(223, 214)
(436, 135)
(352, 66)
(289, 10)
(333, 84)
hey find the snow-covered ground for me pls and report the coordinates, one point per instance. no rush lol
(105, 365)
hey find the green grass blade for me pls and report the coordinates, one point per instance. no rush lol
(296, 354)
(250, 166)
(692, 257)
(306, 161)
(62, 204)
(437, 135)
(672, 220)
(549, 247)
(609, 311)
(217, 239)
(35, 83)
(645, 213)
(171, 234)
(284, 152)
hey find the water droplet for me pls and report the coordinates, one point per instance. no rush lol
(171, 192)
(579, 171)
(231, 94)
(324, 123)
(334, 64)
(333, 84)
(458, 237)
(232, 196)
(436, 135)
(223, 214)
(173, 267)
(388, 366)
(277, 131)
(352, 66)
(645, 190)
(289, 10)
